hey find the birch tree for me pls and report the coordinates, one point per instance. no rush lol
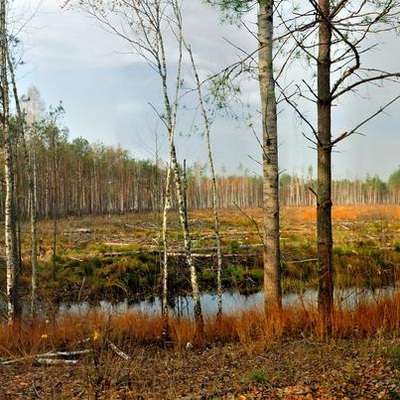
(271, 253)
(144, 26)
(207, 131)
(272, 266)
(30, 163)
(12, 263)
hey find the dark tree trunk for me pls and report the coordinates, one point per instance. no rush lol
(324, 202)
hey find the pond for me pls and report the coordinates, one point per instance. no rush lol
(231, 302)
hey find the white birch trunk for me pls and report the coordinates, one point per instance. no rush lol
(167, 205)
(34, 235)
(214, 183)
(10, 226)
(32, 189)
(171, 118)
(272, 269)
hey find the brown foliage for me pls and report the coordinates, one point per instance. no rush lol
(69, 331)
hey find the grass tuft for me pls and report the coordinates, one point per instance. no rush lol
(378, 319)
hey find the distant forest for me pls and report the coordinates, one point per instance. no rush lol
(79, 178)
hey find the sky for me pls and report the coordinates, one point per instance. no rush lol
(110, 95)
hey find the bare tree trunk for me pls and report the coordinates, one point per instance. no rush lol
(324, 202)
(171, 118)
(206, 121)
(34, 235)
(272, 268)
(32, 190)
(13, 309)
(54, 205)
(164, 303)
(198, 315)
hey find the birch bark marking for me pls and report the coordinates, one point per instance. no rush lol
(10, 227)
(32, 188)
(167, 205)
(272, 268)
(207, 132)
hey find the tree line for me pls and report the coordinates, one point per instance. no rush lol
(92, 178)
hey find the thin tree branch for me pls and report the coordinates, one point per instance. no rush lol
(383, 76)
(354, 130)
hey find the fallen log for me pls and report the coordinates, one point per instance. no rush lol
(118, 351)
(48, 356)
(55, 361)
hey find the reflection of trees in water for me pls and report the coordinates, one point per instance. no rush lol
(182, 305)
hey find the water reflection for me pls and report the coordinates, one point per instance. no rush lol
(231, 302)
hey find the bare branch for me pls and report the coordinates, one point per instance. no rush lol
(300, 114)
(381, 77)
(338, 8)
(355, 129)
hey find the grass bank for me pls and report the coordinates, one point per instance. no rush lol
(369, 320)
(242, 355)
(119, 256)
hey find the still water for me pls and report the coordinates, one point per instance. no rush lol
(231, 302)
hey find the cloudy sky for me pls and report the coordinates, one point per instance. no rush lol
(109, 94)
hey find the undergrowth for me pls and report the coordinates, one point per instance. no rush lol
(70, 331)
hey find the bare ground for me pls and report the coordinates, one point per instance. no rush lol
(295, 369)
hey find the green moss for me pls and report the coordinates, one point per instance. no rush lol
(256, 275)
(233, 273)
(208, 276)
(235, 246)
(258, 376)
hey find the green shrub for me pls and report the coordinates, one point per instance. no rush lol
(235, 247)
(208, 276)
(233, 273)
(258, 376)
(256, 275)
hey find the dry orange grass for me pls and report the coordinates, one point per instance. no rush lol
(369, 319)
(309, 213)
(341, 213)
(250, 328)
(299, 214)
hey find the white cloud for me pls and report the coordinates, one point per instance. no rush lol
(62, 39)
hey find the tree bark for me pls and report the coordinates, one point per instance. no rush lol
(207, 124)
(272, 268)
(164, 304)
(31, 187)
(13, 308)
(324, 202)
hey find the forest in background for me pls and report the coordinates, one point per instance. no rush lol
(75, 177)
